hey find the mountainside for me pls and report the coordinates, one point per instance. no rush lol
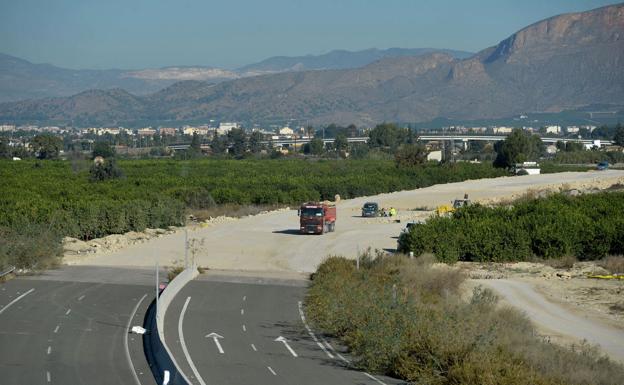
(564, 62)
(340, 59)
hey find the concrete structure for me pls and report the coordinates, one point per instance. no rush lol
(435, 155)
(226, 127)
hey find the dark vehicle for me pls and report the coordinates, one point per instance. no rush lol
(370, 209)
(603, 166)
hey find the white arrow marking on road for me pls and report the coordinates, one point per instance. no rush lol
(215, 337)
(285, 341)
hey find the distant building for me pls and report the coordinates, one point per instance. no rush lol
(553, 130)
(148, 131)
(502, 130)
(286, 131)
(572, 129)
(551, 149)
(528, 129)
(167, 131)
(435, 155)
(7, 127)
(226, 127)
(478, 129)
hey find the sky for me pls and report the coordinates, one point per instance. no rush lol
(134, 34)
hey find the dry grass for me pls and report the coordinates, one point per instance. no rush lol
(614, 264)
(405, 317)
(565, 262)
(234, 211)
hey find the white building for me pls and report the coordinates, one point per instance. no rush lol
(7, 127)
(572, 129)
(553, 129)
(286, 131)
(435, 155)
(502, 130)
(226, 127)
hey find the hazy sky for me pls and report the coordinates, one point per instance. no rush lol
(231, 33)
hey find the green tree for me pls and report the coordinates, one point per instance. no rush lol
(102, 149)
(196, 142)
(5, 151)
(618, 138)
(237, 139)
(518, 147)
(316, 146)
(219, 145)
(105, 170)
(47, 146)
(409, 155)
(255, 139)
(341, 143)
(387, 135)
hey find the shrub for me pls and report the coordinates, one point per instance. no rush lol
(613, 264)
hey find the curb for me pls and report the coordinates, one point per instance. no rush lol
(156, 350)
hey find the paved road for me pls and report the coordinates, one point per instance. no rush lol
(250, 315)
(551, 317)
(55, 330)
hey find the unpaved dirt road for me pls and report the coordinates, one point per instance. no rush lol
(270, 242)
(555, 320)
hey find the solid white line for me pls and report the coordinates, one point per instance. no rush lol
(49, 349)
(344, 359)
(311, 333)
(183, 343)
(81, 298)
(15, 300)
(242, 311)
(56, 329)
(375, 379)
(271, 370)
(128, 358)
(48, 376)
(254, 347)
(68, 311)
(244, 328)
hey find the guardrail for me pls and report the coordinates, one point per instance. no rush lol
(164, 367)
(7, 271)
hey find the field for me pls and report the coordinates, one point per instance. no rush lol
(42, 201)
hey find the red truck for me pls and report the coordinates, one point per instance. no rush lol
(317, 217)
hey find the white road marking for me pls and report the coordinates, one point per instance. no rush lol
(285, 342)
(128, 358)
(244, 328)
(242, 311)
(254, 347)
(271, 370)
(68, 311)
(49, 349)
(244, 298)
(56, 329)
(15, 300)
(216, 337)
(311, 333)
(183, 343)
(81, 298)
(48, 376)
(344, 359)
(377, 380)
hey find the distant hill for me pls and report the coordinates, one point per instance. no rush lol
(340, 59)
(561, 63)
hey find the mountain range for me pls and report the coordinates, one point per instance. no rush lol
(564, 62)
(21, 79)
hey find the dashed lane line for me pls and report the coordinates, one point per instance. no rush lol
(15, 300)
(254, 347)
(271, 370)
(68, 311)
(56, 329)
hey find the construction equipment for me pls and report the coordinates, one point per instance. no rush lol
(317, 217)
(455, 204)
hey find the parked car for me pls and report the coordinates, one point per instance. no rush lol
(370, 209)
(602, 165)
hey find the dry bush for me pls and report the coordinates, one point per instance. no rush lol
(565, 262)
(230, 210)
(614, 264)
(404, 317)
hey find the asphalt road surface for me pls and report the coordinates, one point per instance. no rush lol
(248, 331)
(55, 329)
